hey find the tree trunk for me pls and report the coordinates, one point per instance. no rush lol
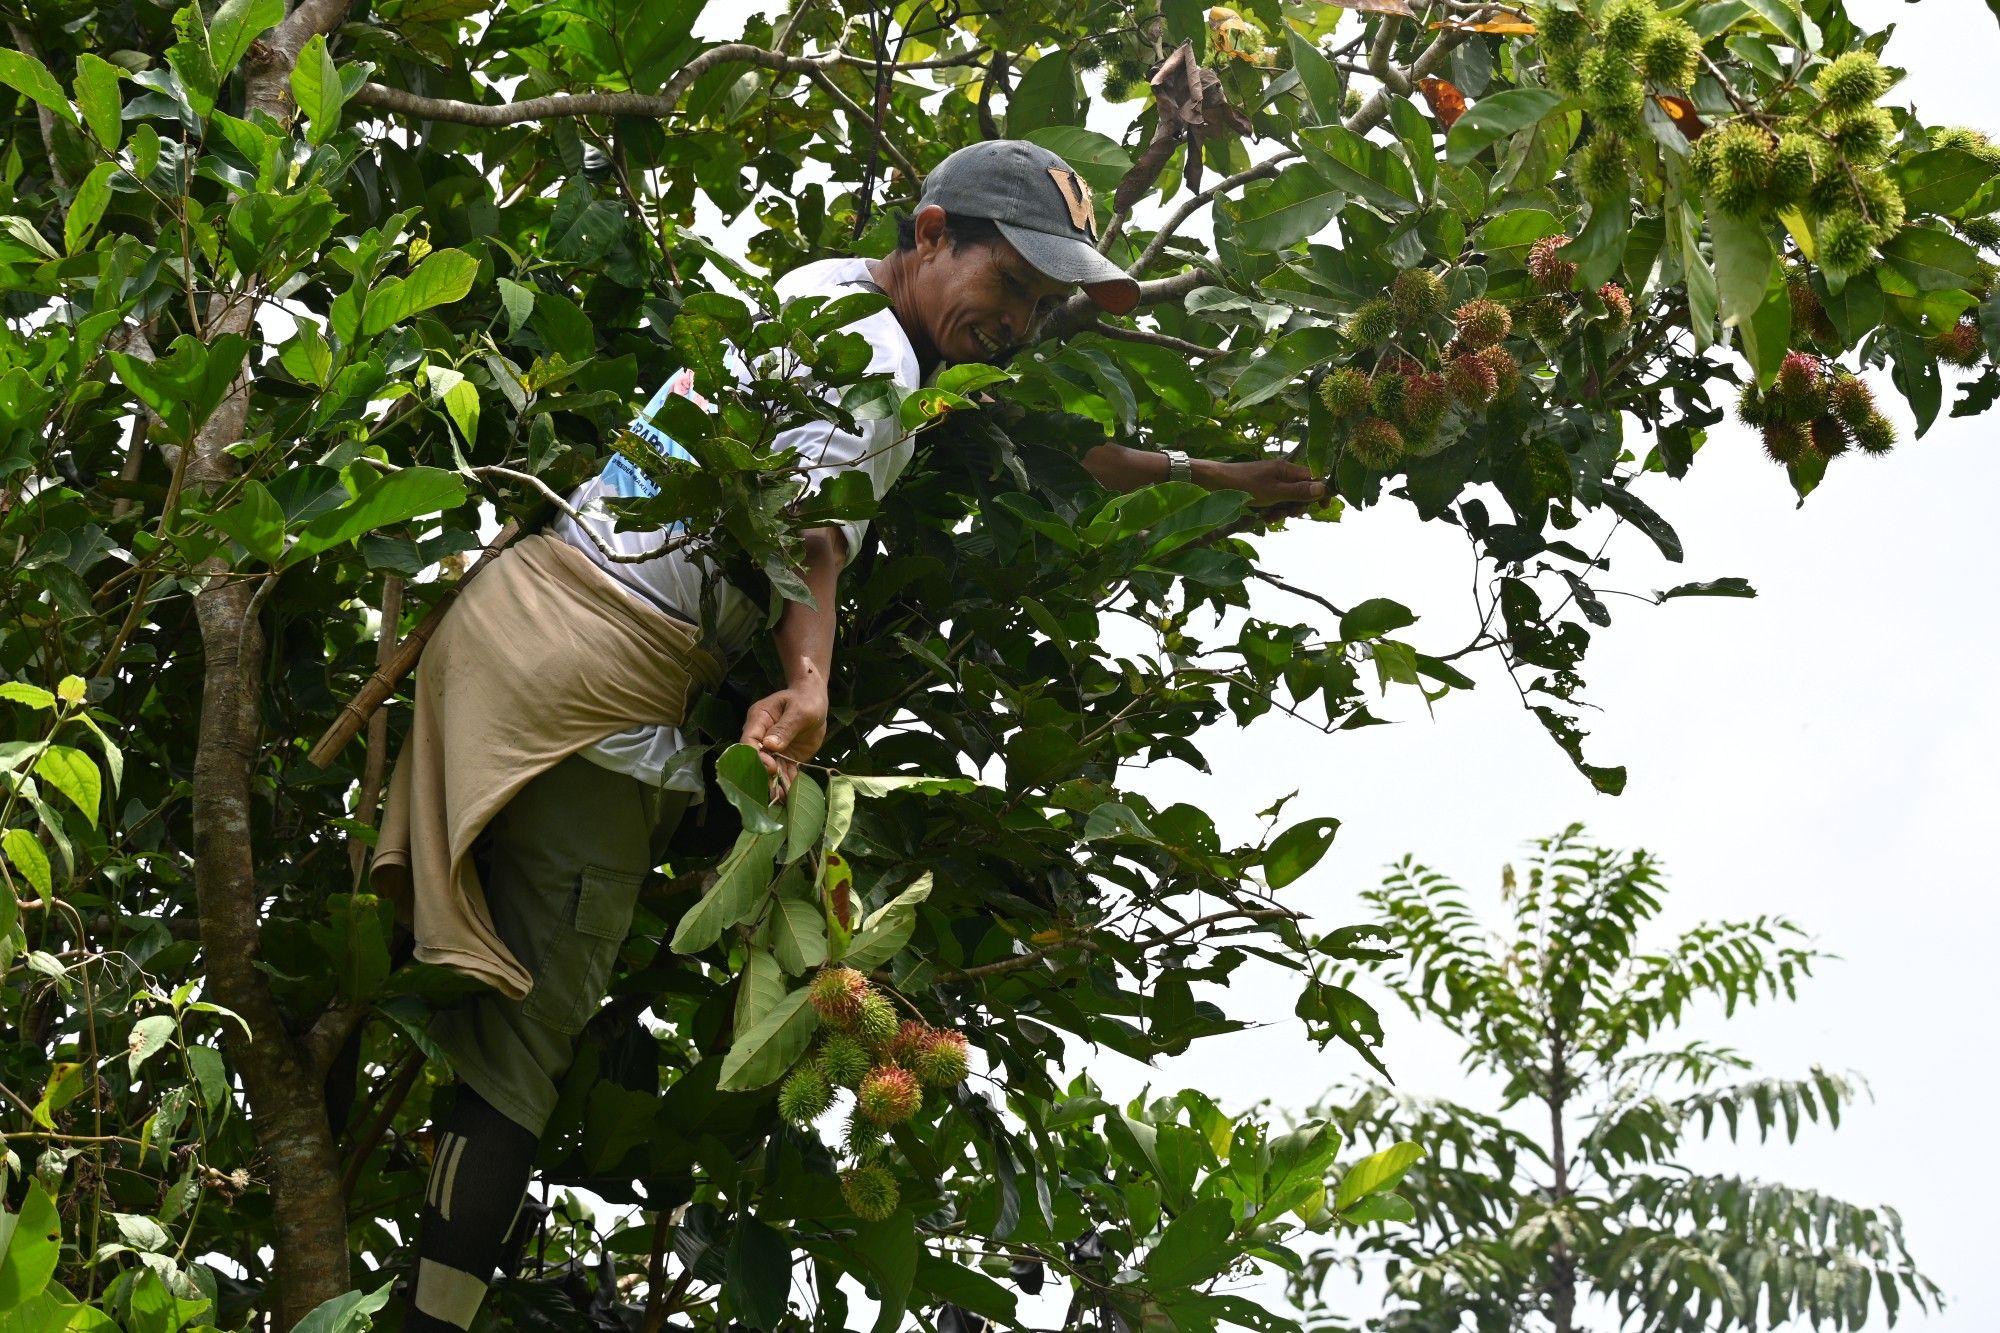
(287, 1113)
(1562, 1284)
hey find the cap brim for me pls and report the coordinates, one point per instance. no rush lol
(1068, 260)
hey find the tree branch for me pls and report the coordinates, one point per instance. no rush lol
(1089, 945)
(1080, 312)
(1181, 345)
(1266, 168)
(1377, 106)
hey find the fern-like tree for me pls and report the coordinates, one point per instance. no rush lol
(1570, 1203)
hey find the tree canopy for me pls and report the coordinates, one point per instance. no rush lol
(302, 301)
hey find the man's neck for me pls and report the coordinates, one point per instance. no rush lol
(892, 275)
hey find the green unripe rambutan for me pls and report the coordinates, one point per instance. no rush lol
(864, 1138)
(1602, 171)
(1851, 400)
(1482, 322)
(1386, 394)
(1506, 371)
(1959, 345)
(1550, 271)
(1846, 243)
(1622, 110)
(1628, 25)
(1829, 437)
(1853, 81)
(1416, 297)
(1373, 324)
(1546, 321)
(1352, 102)
(1601, 73)
(1785, 442)
(875, 1020)
(1087, 56)
(1425, 403)
(1874, 434)
(1793, 166)
(889, 1095)
(1741, 167)
(1116, 89)
(844, 1060)
(1881, 203)
(1751, 407)
(1975, 142)
(1564, 72)
(1345, 392)
(836, 992)
(805, 1095)
(1472, 380)
(1376, 444)
(870, 1192)
(1702, 167)
(1983, 232)
(1559, 28)
(942, 1062)
(1129, 68)
(1863, 137)
(1672, 54)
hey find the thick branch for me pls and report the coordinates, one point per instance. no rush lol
(1377, 106)
(1080, 312)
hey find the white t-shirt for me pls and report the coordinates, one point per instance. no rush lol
(686, 583)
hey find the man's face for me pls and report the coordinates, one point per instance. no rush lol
(977, 302)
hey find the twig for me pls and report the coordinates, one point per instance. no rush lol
(1084, 942)
(1181, 345)
(1306, 593)
(378, 725)
(1268, 167)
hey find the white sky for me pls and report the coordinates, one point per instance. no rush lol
(1823, 752)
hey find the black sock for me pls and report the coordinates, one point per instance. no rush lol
(478, 1179)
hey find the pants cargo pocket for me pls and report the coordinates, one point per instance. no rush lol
(575, 969)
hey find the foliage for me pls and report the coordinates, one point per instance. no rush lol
(297, 305)
(1576, 1018)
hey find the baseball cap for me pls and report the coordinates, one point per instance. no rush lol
(1040, 205)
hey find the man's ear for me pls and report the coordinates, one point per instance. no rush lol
(931, 229)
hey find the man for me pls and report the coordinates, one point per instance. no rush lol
(544, 768)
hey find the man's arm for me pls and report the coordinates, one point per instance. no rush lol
(1269, 481)
(790, 726)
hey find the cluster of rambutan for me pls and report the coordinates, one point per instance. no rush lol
(1126, 61)
(885, 1063)
(1961, 344)
(1395, 408)
(1546, 319)
(1609, 62)
(1826, 164)
(1816, 408)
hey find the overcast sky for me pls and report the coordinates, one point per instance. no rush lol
(1823, 752)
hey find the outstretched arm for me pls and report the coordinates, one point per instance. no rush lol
(790, 726)
(1269, 481)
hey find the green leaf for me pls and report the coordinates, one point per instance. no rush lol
(20, 692)
(1272, 216)
(1940, 181)
(461, 403)
(1367, 170)
(30, 1243)
(238, 23)
(966, 1287)
(741, 882)
(759, 989)
(98, 94)
(1494, 118)
(759, 1278)
(1379, 1208)
(396, 498)
(887, 929)
(1600, 247)
(74, 774)
(1096, 158)
(1726, 587)
(24, 851)
(1744, 262)
(747, 783)
(256, 521)
(798, 935)
(1297, 850)
(760, 1057)
(87, 207)
(1318, 79)
(518, 300)
(306, 356)
(317, 89)
(1512, 233)
(1768, 335)
(1374, 618)
(1643, 517)
(1045, 95)
(889, 1251)
(346, 1313)
(29, 77)
(149, 1036)
(1283, 362)
(805, 816)
(1372, 1175)
(1932, 259)
(1194, 1248)
(444, 276)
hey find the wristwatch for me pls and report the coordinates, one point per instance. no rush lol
(1178, 466)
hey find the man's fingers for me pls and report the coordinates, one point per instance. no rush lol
(1305, 490)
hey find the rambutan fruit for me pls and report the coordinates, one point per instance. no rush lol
(1628, 26)
(1846, 241)
(1373, 324)
(1387, 393)
(1550, 271)
(1472, 381)
(1874, 434)
(836, 993)
(942, 1062)
(870, 1191)
(1863, 137)
(1416, 297)
(1425, 403)
(1785, 442)
(1617, 305)
(1852, 81)
(1829, 436)
(1851, 400)
(889, 1094)
(1794, 165)
(1482, 322)
(1345, 392)
(875, 1020)
(1958, 345)
(844, 1060)
(1506, 371)
(805, 1095)
(1672, 54)
(1376, 444)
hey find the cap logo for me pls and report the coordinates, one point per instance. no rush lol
(1076, 194)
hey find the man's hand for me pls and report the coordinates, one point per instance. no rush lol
(789, 727)
(1270, 481)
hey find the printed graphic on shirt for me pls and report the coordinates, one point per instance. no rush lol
(620, 477)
